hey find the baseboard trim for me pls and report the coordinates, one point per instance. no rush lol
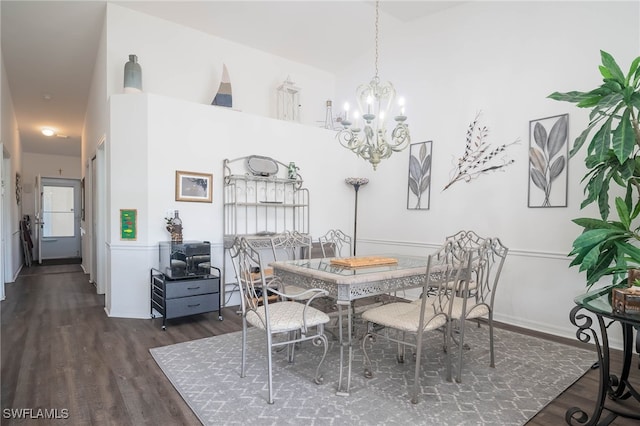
(542, 335)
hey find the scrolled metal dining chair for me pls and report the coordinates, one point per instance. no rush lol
(397, 321)
(291, 245)
(290, 320)
(335, 243)
(476, 302)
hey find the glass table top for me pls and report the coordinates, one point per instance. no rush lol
(324, 265)
(599, 301)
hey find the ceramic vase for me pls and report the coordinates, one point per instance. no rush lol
(132, 76)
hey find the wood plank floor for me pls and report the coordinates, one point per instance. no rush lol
(59, 350)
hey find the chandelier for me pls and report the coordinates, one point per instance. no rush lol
(375, 101)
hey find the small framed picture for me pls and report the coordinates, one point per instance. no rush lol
(192, 186)
(129, 224)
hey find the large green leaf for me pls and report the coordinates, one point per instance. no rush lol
(636, 211)
(609, 101)
(632, 251)
(593, 188)
(627, 169)
(635, 100)
(600, 269)
(600, 143)
(573, 97)
(577, 144)
(612, 86)
(591, 223)
(590, 259)
(612, 67)
(603, 197)
(623, 212)
(633, 69)
(623, 139)
(593, 237)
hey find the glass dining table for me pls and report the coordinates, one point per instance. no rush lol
(347, 284)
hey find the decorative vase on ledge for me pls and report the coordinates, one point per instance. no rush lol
(132, 76)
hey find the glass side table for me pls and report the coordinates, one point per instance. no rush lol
(617, 388)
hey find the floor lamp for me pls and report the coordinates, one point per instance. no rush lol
(356, 183)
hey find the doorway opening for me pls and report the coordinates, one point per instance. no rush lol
(60, 213)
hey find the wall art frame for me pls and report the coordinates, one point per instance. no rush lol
(129, 224)
(419, 180)
(548, 162)
(194, 186)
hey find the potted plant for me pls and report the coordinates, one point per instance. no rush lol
(609, 246)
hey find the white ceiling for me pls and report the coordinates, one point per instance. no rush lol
(49, 47)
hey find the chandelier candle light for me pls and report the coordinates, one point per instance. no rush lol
(375, 101)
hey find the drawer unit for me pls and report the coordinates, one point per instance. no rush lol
(181, 297)
(184, 306)
(191, 287)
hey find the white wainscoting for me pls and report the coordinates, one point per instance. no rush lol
(536, 288)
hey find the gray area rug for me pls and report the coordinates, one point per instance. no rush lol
(529, 373)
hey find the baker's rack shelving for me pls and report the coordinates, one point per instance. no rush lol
(261, 197)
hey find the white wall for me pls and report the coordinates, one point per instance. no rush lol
(11, 250)
(187, 64)
(152, 136)
(94, 130)
(504, 59)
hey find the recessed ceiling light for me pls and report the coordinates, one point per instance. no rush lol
(48, 132)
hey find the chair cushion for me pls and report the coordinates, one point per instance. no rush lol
(287, 316)
(473, 310)
(405, 316)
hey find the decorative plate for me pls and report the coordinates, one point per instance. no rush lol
(262, 166)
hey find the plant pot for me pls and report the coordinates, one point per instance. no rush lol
(633, 275)
(626, 300)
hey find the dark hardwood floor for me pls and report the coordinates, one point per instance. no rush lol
(59, 350)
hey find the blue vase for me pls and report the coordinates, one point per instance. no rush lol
(132, 75)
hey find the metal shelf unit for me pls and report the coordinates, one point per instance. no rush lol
(257, 207)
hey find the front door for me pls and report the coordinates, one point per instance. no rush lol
(60, 218)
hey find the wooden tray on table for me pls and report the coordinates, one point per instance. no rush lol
(363, 261)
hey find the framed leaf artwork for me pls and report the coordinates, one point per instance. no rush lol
(419, 186)
(548, 161)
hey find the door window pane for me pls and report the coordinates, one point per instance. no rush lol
(57, 211)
